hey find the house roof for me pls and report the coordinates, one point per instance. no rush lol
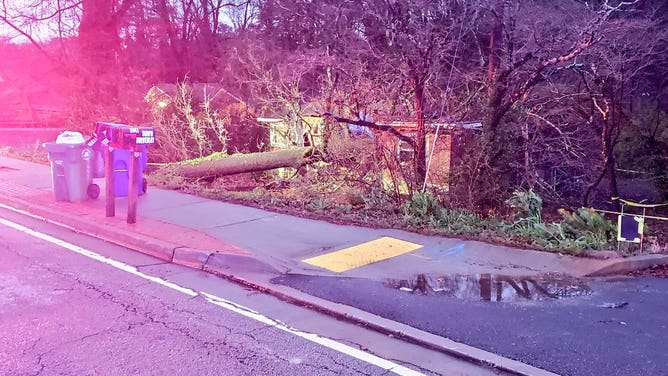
(269, 120)
(402, 125)
(201, 91)
(408, 125)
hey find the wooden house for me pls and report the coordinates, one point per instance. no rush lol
(283, 134)
(445, 142)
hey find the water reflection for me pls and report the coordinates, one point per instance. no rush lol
(497, 288)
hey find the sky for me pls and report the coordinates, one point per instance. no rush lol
(17, 11)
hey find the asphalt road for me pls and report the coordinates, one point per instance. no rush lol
(61, 314)
(617, 326)
(64, 313)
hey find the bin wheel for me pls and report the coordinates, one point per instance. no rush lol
(93, 191)
(144, 185)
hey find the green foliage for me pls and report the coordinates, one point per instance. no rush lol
(317, 205)
(528, 205)
(583, 229)
(587, 224)
(580, 230)
(424, 209)
(376, 196)
(462, 222)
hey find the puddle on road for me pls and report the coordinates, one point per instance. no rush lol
(495, 288)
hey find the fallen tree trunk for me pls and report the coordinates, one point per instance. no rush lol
(240, 163)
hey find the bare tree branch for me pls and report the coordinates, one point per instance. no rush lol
(380, 127)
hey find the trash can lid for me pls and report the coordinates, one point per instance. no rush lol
(69, 137)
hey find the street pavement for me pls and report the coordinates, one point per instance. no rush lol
(601, 326)
(74, 313)
(99, 321)
(254, 247)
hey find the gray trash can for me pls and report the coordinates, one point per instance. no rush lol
(71, 168)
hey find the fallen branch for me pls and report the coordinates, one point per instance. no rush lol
(240, 163)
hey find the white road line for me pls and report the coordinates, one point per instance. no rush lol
(223, 303)
(345, 349)
(97, 257)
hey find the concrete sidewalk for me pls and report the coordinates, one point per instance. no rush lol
(253, 246)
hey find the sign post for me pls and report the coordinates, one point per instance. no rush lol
(133, 184)
(109, 181)
(128, 138)
(631, 228)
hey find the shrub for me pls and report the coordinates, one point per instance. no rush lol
(528, 205)
(423, 207)
(588, 225)
(462, 222)
(583, 229)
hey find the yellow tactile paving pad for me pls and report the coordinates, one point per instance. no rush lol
(362, 254)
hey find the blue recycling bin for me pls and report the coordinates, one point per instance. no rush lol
(98, 143)
(122, 171)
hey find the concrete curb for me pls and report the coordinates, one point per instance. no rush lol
(191, 257)
(388, 327)
(630, 264)
(224, 264)
(141, 243)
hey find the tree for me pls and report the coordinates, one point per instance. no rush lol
(618, 72)
(99, 45)
(37, 21)
(417, 41)
(243, 14)
(403, 46)
(242, 163)
(525, 52)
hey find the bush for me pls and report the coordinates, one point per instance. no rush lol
(584, 229)
(462, 222)
(528, 205)
(577, 231)
(424, 209)
(587, 225)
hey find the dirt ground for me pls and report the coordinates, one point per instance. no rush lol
(660, 271)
